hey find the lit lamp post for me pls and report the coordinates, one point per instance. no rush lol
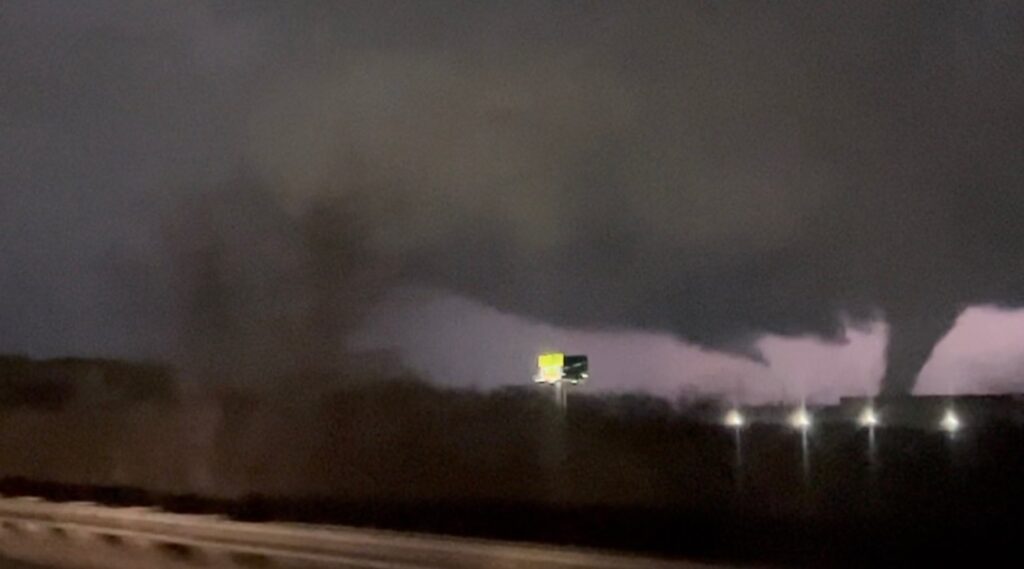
(735, 420)
(950, 423)
(801, 420)
(869, 419)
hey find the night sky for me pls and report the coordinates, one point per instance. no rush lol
(700, 195)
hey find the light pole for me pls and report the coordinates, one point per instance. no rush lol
(801, 420)
(869, 419)
(735, 420)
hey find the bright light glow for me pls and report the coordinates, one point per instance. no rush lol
(734, 418)
(800, 419)
(550, 367)
(868, 418)
(950, 422)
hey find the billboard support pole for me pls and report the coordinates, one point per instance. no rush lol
(561, 372)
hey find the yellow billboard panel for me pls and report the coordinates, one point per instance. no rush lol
(550, 367)
(551, 360)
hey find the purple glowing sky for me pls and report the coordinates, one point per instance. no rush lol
(456, 341)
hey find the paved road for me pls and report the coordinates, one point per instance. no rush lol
(88, 535)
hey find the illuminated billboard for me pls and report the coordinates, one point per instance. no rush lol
(549, 367)
(556, 366)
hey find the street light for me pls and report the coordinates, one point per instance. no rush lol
(734, 419)
(868, 418)
(950, 422)
(800, 419)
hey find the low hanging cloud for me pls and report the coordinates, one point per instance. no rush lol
(713, 172)
(463, 343)
(740, 174)
(981, 354)
(460, 342)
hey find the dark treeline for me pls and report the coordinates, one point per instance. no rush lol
(615, 471)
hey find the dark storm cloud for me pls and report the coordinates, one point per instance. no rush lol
(107, 111)
(260, 293)
(714, 170)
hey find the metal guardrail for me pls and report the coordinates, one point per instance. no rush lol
(91, 536)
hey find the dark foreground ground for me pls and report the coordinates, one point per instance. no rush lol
(629, 472)
(709, 537)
